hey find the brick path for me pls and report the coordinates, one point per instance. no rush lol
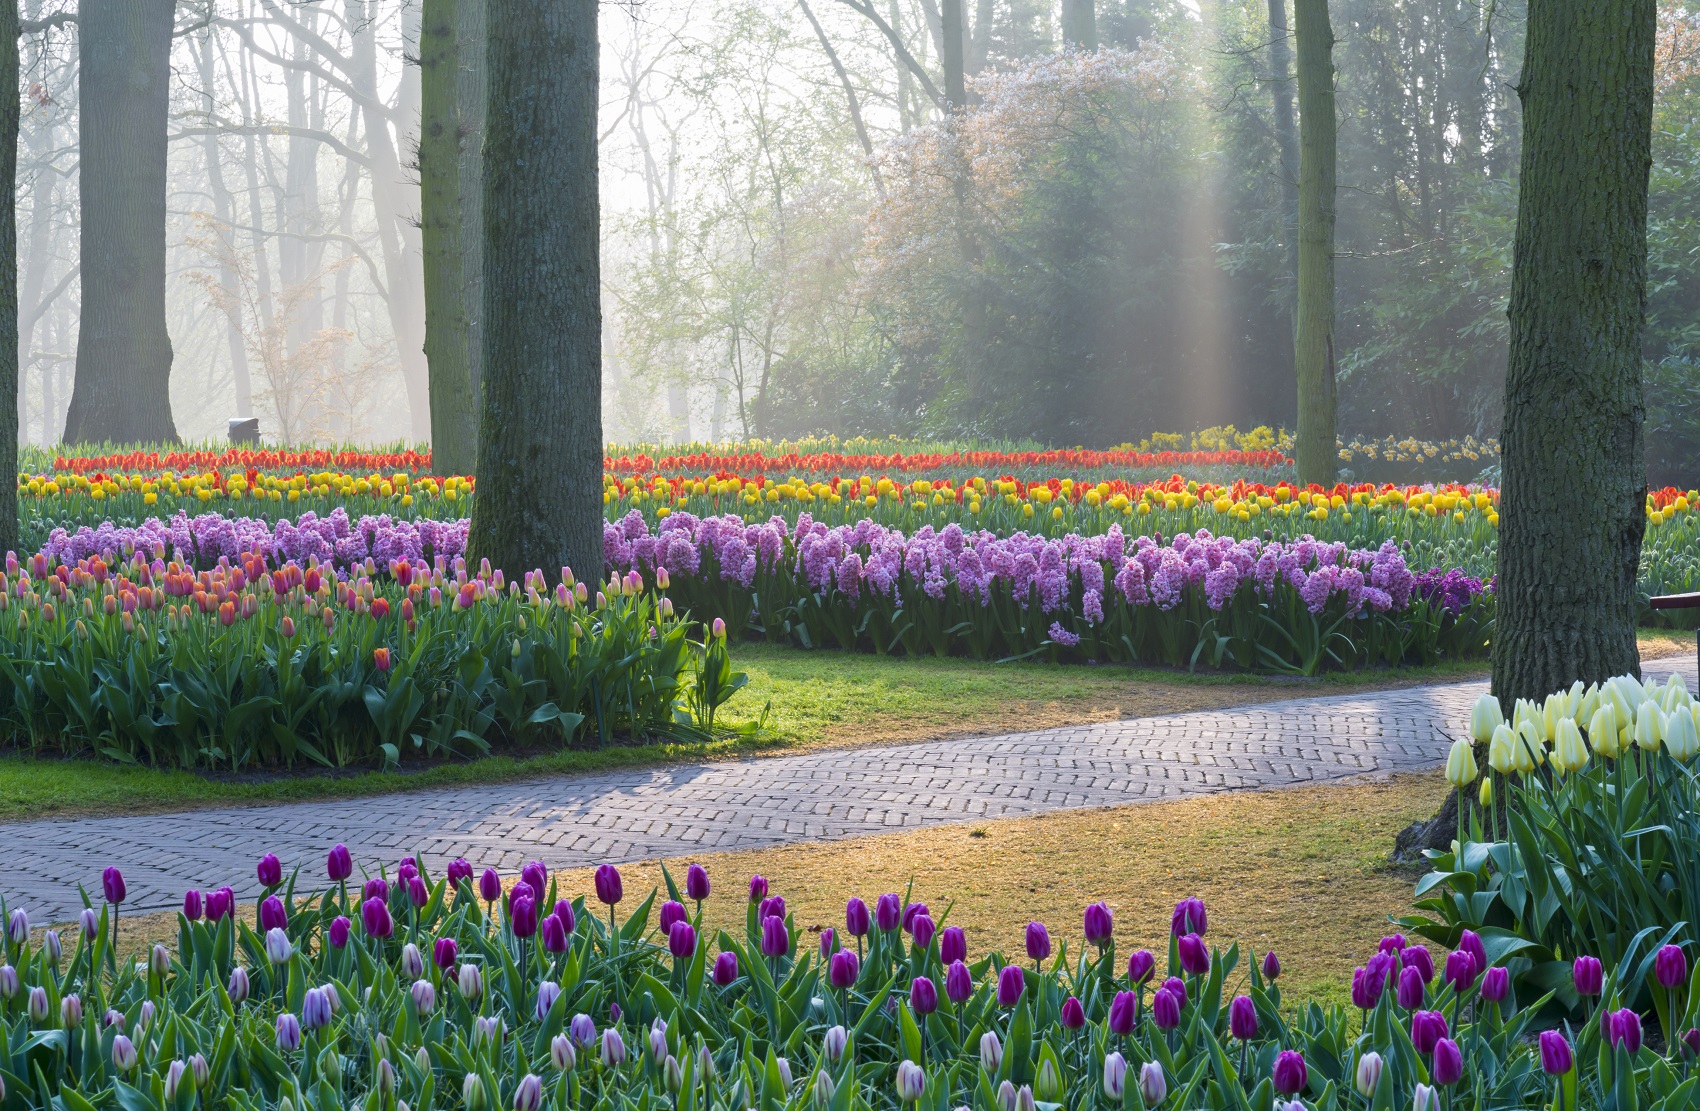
(678, 811)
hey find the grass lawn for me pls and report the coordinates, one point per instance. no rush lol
(817, 699)
(1302, 871)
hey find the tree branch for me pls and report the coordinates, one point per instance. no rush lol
(902, 51)
(219, 127)
(843, 78)
(58, 19)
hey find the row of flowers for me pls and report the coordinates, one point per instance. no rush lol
(469, 991)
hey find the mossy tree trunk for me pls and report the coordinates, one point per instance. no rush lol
(1286, 139)
(454, 415)
(1574, 486)
(539, 502)
(1313, 343)
(9, 276)
(122, 389)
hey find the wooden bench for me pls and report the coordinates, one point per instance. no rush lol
(1679, 602)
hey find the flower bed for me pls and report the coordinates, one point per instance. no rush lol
(451, 992)
(260, 664)
(1301, 606)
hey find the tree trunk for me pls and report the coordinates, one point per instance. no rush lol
(9, 274)
(1080, 24)
(950, 52)
(1287, 139)
(472, 97)
(1313, 343)
(123, 384)
(454, 430)
(1574, 488)
(539, 502)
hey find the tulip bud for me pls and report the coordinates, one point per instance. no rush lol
(424, 997)
(1115, 1076)
(1460, 764)
(658, 1040)
(330, 1067)
(561, 1053)
(51, 945)
(124, 1055)
(472, 1093)
(1153, 1085)
(470, 983)
(38, 1005)
(9, 985)
(834, 1043)
(911, 1081)
(18, 928)
(991, 1052)
(824, 1090)
(71, 1011)
(613, 1049)
(1006, 1096)
(1370, 1067)
(784, 1071)
(1048, 1086)
(174, 1079)
(237, 989)
(528, 1095)
(288, 1033)
(412, 962)
(278, 947)
(673, 1074)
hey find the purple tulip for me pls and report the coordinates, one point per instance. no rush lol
(192, 905)
(272, 914)
(1448, 1065)
(922, 930)
(1556, 1055)
(1195, 956)
(1496, 984)
(1670, 967)
(315, 1009)
(725, 968)
(459, 871)
(681, 940)
(958, 982)
(1038, 941)
(375, 917)
(1411, 989)
(1625, 1030)
(1460, 970)
(406, 870)
(1100, 924)
(912, 912)
(288, 1033)
(953, 945)
(1418, 957)
(775, 938)
(269, 870)
(1140, 965)
(564, 911)
(758, 889)
(856, 918)
(536, 873)
(1242, 1018)
(888, 912)
(1011, 983)
(417, 893)
(528, 1094)
(489, 886)
(1290, 1074)
(547, 993)
(1470, 942)
(1691, 1042)
(1271, 966)
(923, 996)
(1122, 1010)
(1362, 997)
(608, 887)
(376, 888)
(339, 865)
(1392, 943)
(445, 952)
(1153, 1085)
(112, 884)
(1177, 987)
(1427, 1028)
(1166, 1009)
(1589, 975)
(522, 915)
(1189, 918)
(1073, 1015)
(843, 969)
(696, 883)
(771, 908)
(672, 912)
(337, 935)
(583, 1029)
(828, 942)
(554, 935)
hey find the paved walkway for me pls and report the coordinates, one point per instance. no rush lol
(696, 808)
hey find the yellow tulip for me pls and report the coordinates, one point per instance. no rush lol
(1486, 796)
(1682, 738)
(1461, 764)
(1485, 718)
(1603, 731)
(1531, 750)
(1502, 750)
(1569, 753)
(1649, 726)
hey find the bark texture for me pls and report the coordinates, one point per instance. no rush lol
(1573, 495)
(539, 502)
(1080, 24)
(1286, 135)
(9, 275)
(122, 390)
(951, 56)
(454, 427)
(1313, 344)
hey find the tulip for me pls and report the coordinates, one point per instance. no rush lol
(1569, 753)
(288, 1033)
(444, 952)
(272, 914)
(613, 1050)
(1649, 727)
(193, 905)
(1123, 1008)
(922, 930)
(911, 912)
(159, 961)
(681, 940)
(315, 1009)
(1670, 967)
(51, 944)
(114, 1018)
(725, 968)
(269, 870)
(1100, 924)
(1153, 1085)
(1073, 1014)
(834, 1042)
(1461, 764)
(528, 1094)
(696, 883)
(1038, 941)
(1485, 717)
(417, 893)
(470, 982)
(1502, 750)
(1011, 983)
(823, 1091)
(112, 884)
(237, 988)
(758, 889)
(1189, 918)
(856, 918)
(1556, 1056)
(71, 1011)
(459, 871)
(843, 969)
(608, 887)
(1166, 1009)
(1410, 992)
(958, 982)
(1496, 984)
(1368, 1078)
(1460, 970)
(582, 1029)
(1048, 1084)
(561, 1053)
(1242, 1018)
(1176, 987)
(412, 961)
(555, 935)
(1115, 1076)
(424, 997)
(375, 888)
(1425, 1098)
(375, 918)
(1195, 957)
(547, 993)
(38, 1005)
(991, 1053)
(1427, 1028)
(522, 915)
(775, 938)
(1625, 1030)
(888, 911)
(1392, 943)
(18, 928)
(9, 985)
(1588, 975)
(124, 1055)
(1290, 1074)
(911, 1081)
(490, 886)
(1691, 1042)
(536, 875)
(1417, 957)
(1025, 1100)
(953, 945)
(658, 1039)
(472, 1093)
(1448, 1065)
(337, 935)
(923, 996)
(1140, 965)
(278, 947)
